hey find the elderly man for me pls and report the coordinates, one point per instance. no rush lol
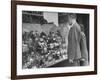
(84, 52)
(74, 37)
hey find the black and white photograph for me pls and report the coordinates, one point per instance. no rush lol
(53, 39)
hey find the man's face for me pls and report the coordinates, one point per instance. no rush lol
(69, 20)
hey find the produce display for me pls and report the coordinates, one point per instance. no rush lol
(40, 50)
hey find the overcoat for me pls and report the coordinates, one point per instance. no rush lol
(83, 45)
(74, 38)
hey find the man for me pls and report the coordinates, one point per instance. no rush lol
(83, 45)
(74, 37)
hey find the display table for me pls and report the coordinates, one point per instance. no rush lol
(54, 62)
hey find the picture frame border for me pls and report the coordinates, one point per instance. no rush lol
(14, 39)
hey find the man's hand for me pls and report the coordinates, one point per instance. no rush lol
(82, 59)
(70, 61)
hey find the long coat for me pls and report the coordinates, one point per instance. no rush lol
(83, 45)
(74, 37)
